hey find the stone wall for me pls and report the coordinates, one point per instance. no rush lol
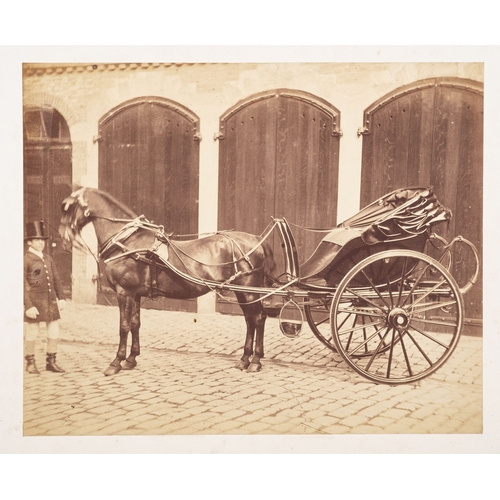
(83, 93)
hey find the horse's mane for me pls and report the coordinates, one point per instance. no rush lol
(128, 211)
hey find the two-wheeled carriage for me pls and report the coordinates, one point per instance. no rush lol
(377, 290)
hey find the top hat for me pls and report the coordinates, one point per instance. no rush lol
(35, 230)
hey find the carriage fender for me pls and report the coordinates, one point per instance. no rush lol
(342, 235)
(327, 250)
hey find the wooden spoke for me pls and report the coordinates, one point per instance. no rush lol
(392, 338)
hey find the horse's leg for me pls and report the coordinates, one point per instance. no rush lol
(259, 320)
(248, 349)
(255, 319)
(125, 303)
(135, 324)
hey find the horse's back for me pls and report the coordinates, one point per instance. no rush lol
(224, 239)
(226, 249)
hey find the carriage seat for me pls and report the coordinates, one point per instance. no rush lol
(396, 219)
(327, 250)
(322, 256)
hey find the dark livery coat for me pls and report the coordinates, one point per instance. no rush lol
(42, 287)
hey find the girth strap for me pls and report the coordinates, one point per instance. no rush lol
(151, 257)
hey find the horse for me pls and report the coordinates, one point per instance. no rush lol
(141, 260)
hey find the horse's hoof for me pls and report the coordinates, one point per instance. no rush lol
(129, 365)
(254, 367)
(112, 370)
(242, 365)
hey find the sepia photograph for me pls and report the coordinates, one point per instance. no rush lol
(268, 251)
(252, 248)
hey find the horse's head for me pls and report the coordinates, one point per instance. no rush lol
(75, 216)
(85, 205)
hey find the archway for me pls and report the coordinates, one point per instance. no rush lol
(149, 160)
(278, 156)
(430, 133)
(48, 178)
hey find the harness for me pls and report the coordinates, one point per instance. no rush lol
(125, 232)
(157, 257)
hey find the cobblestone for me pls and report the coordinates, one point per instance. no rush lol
(396, 414)
(354, 421)
(185, 383)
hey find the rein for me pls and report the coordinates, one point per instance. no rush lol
(310, 229)
(154, 259)
(140, 222)
(244, 256)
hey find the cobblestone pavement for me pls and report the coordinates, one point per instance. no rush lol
(185, 383)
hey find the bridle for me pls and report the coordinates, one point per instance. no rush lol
(77, 214)
(74, 225)
(73, 230)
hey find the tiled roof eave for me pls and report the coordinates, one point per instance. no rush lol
(38, 69)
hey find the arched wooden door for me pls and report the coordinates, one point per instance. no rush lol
(48, 178)
(278, 156)
(430, 133)
(149, 159)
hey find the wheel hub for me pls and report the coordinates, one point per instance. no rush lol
(398, 318)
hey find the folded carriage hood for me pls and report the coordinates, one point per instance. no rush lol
(401, 215)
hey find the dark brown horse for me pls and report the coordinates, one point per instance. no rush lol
(141, 260)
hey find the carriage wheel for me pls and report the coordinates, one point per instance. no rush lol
(413, 316)
(317, 313)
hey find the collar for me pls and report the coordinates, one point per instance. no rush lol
(36, 252)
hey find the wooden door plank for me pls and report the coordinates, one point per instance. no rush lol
(149, 160)
(442, 140)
